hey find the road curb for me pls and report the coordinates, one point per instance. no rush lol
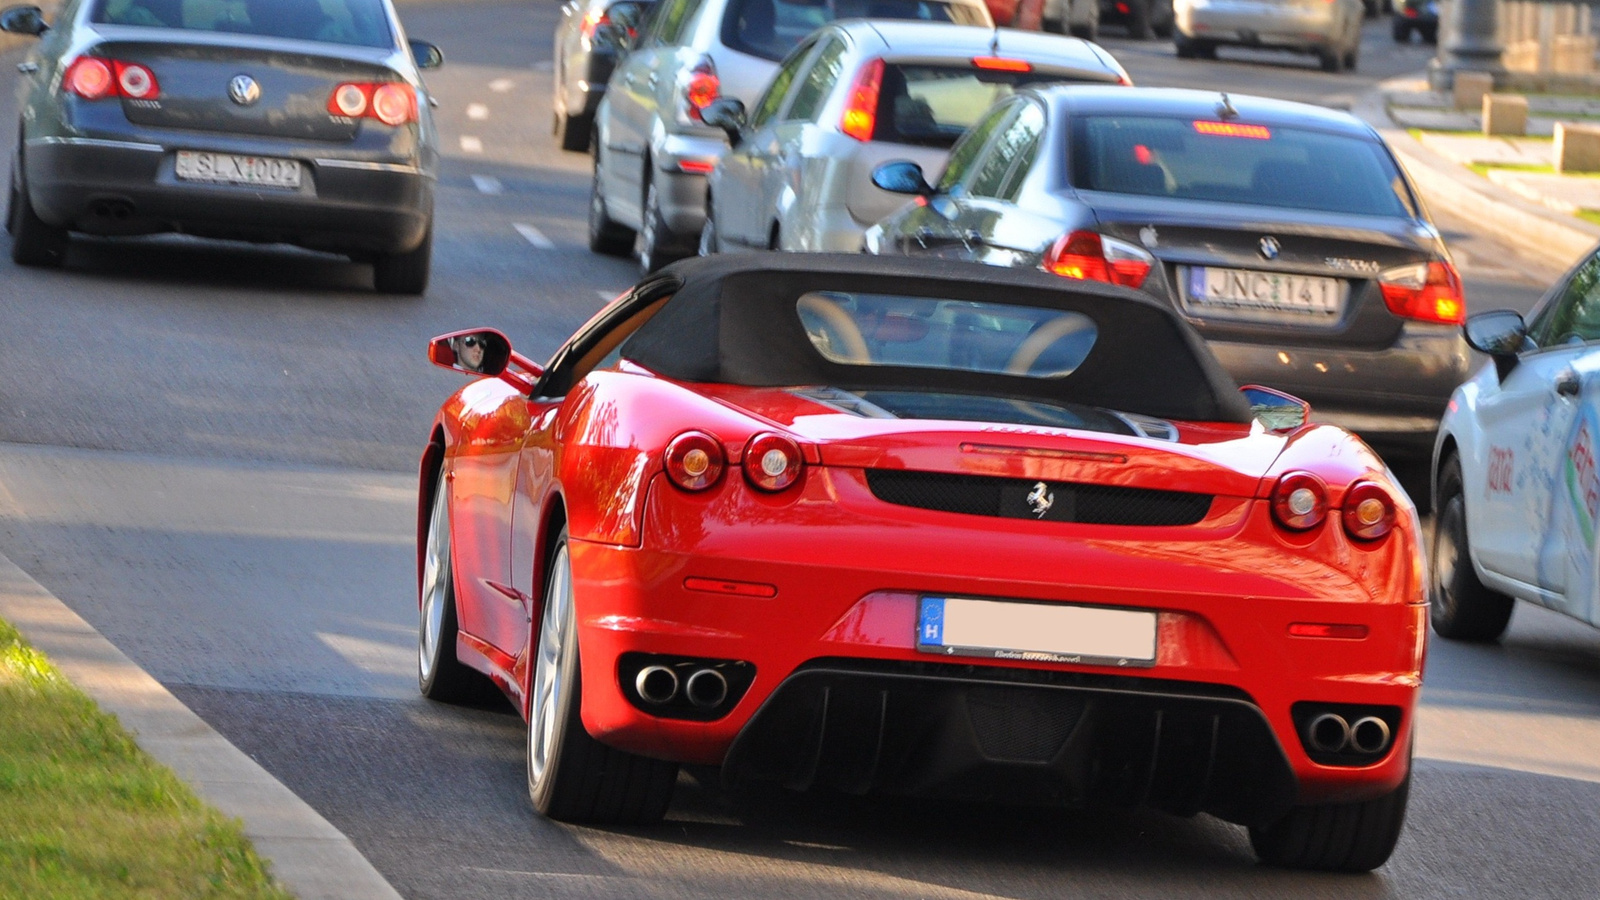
(1553, 240)
(309, 856)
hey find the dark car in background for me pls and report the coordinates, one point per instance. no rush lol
(591, 36)
(1144, 19)
(1285, 233)
(280, 121)
(1416, 16)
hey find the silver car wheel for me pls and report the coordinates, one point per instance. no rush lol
(435, 583)
(549, 686)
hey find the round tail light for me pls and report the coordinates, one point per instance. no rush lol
(695, 460)
(136, 81)
(1369, 511)
(1300, 501)
(90, 78)
(392, 104)
(350, 100)
(772, 462)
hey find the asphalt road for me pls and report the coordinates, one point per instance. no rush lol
(208, 451)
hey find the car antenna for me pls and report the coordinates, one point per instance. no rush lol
(994, 42)
(1225, 109)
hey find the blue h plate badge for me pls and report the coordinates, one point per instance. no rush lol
(1036, 632)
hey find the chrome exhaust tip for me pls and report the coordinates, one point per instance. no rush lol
(1369, 735)
(656, 684)
(706, 688)
(1329, 733)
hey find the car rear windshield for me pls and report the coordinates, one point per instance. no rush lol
(927, 333)
(771, 28)
(1235, 162)
(361, 23)
(933, 105)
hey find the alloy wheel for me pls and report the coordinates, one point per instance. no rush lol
(549, 685)
(435, 582)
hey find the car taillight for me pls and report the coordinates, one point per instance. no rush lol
(592, 22)
(702, 88)
(695, 460)
(1369, 511)
(1427, 292)
(860, 117)
(1091, 256)
(93, 78)
(390, 102)
(1300, 501)
(1001, 64)
(772, 462)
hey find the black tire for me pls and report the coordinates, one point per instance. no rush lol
(1052, 26)
(405, 273)
(1089, 32)
(1352, 57)
(579, 779)
(1400, 28)
(1163, 19)
(1460, 606)
(1332, 60)
(606, 235)
(1139, 26)
(440, 676)
(34, 242)
(1335, 837)
(1430, 34)
(572, 132)
(657, 245)
(1185, 47)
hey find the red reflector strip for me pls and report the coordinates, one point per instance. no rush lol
(1001, 64)
(697, 166)
(1324, 630)
(731, 588)
(1231, 129)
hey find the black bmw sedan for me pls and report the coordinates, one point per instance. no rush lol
(1285, 233)
(293, 121)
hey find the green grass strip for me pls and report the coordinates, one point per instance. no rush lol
(85, 813)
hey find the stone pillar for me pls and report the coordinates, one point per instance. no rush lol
(1469, 41)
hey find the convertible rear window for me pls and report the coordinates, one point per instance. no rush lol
(361, 23)
(771, 28)
(1233, 162)
(927, 333)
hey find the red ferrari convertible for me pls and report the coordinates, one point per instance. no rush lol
(874, 524)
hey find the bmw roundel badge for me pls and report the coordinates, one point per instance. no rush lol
(1269, 247)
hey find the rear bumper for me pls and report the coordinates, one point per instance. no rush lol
(125, 187)
(682, 194)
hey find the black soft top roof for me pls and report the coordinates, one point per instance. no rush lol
(732, 320)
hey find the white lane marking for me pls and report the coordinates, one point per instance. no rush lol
(501, 85)
(477, 112)
(534, 236)
(544, 65)
(488, 184)
(471, 144)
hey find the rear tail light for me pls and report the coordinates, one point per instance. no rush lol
(695, 460)
(1091, 256)
(390, 102)
(93, 78)
(1368, 511)
(592, 22)
(1300, 501)
(772, 462)
(860, 117)
(701, 89)
(1426, 292)
(1001, 64)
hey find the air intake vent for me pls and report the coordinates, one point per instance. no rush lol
(1017, 498)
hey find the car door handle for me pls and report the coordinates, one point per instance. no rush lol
(1568, 384)
(27, 68)
(652, 81)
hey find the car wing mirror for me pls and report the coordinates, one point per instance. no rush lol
(484, 352)
(1501, 333)
(902, 177)
(1276, 411)
(728, 114)
(621, 25)
(428, 56)
(27, 20)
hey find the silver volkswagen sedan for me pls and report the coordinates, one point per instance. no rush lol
(1330, 29)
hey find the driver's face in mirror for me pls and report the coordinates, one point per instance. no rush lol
(469, 352)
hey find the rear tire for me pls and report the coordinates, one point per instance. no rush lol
(405, 273)
(606, 235)
(34, 242)
(1163, 19)
(1139, 27)
(1401, 30)
(1430, 34)
(658, 246)
(571, 776)
(1332, 60)
(1460, 606)
(1335, 837)
(572, 132)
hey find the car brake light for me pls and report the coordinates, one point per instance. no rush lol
(772, 462)
(695, 460)
(1000, 64)
(1233, 129)
(1409, 13)
(390, 102)
(1300, 501)
(702, 88)
(592, 22)
(1368, 511)
(1091, 256)
(1427, 292)
(93, 78)
(860, 117)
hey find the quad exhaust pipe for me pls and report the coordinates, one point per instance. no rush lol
(706, 688)
(659, 685)
(656, 684)
(1332, 733)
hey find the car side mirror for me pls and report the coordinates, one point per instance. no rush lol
(1500, 333)
(428, 56)
(728, 114)
(27, 20)
(620, 27)
(480, 352)
(1275, 410)
(902, 177)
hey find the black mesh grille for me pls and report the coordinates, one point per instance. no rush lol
(1022, 724)
(1017, 498)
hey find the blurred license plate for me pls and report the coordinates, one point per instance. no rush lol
(1036, 632)
(1241, 294)
(226, 168)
